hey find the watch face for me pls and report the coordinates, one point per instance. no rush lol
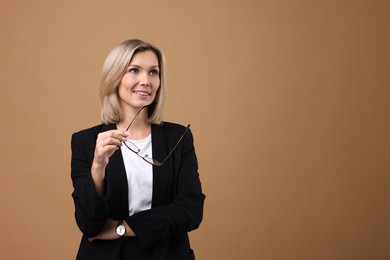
(120, 230)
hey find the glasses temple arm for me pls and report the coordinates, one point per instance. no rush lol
(173, 149)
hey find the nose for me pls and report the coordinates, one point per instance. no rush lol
(144, 79)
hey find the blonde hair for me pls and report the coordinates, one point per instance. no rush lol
(114, 68)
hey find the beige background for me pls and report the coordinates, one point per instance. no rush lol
(288, 101)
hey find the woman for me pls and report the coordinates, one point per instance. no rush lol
(136, 185)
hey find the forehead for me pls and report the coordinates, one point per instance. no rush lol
(146, 57)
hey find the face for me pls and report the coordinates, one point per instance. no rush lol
(140, 83)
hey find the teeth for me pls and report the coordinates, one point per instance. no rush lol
(141, 93)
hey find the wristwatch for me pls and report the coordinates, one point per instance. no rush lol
(120, 229)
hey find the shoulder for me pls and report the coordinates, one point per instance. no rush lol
(169, 126)
(173, 132)
(90, 134)
(169, 129)
(94, 130)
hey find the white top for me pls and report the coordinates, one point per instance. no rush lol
(139, 175)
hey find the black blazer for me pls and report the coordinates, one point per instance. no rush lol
(177, 200)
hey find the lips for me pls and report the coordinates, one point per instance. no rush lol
(142, 93)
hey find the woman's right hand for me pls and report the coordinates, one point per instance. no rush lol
(106, 144)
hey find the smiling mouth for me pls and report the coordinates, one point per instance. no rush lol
(142, 93)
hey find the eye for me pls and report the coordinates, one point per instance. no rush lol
(133, 70)
(154, 72)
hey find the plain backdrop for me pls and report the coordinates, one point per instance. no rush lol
(288, 102)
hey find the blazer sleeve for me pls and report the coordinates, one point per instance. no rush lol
(91, 210)
(184, 213)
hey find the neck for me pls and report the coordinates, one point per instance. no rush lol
(140, 128)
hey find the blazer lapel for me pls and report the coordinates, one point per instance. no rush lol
(160, 173)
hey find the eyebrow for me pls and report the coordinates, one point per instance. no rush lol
(137, 66)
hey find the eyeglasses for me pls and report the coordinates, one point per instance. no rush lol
(134, 148)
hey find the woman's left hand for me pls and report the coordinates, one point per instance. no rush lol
(108, 232)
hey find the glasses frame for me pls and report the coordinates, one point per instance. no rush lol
(152, 161)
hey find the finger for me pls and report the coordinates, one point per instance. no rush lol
(116, 133)
(107, 150)
(110, 140)
(112, 136)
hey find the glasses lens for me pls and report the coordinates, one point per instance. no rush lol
(131, 146)
(151, 160)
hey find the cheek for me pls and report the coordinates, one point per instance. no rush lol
(121, 93)
(156, 84)
(155, 91)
